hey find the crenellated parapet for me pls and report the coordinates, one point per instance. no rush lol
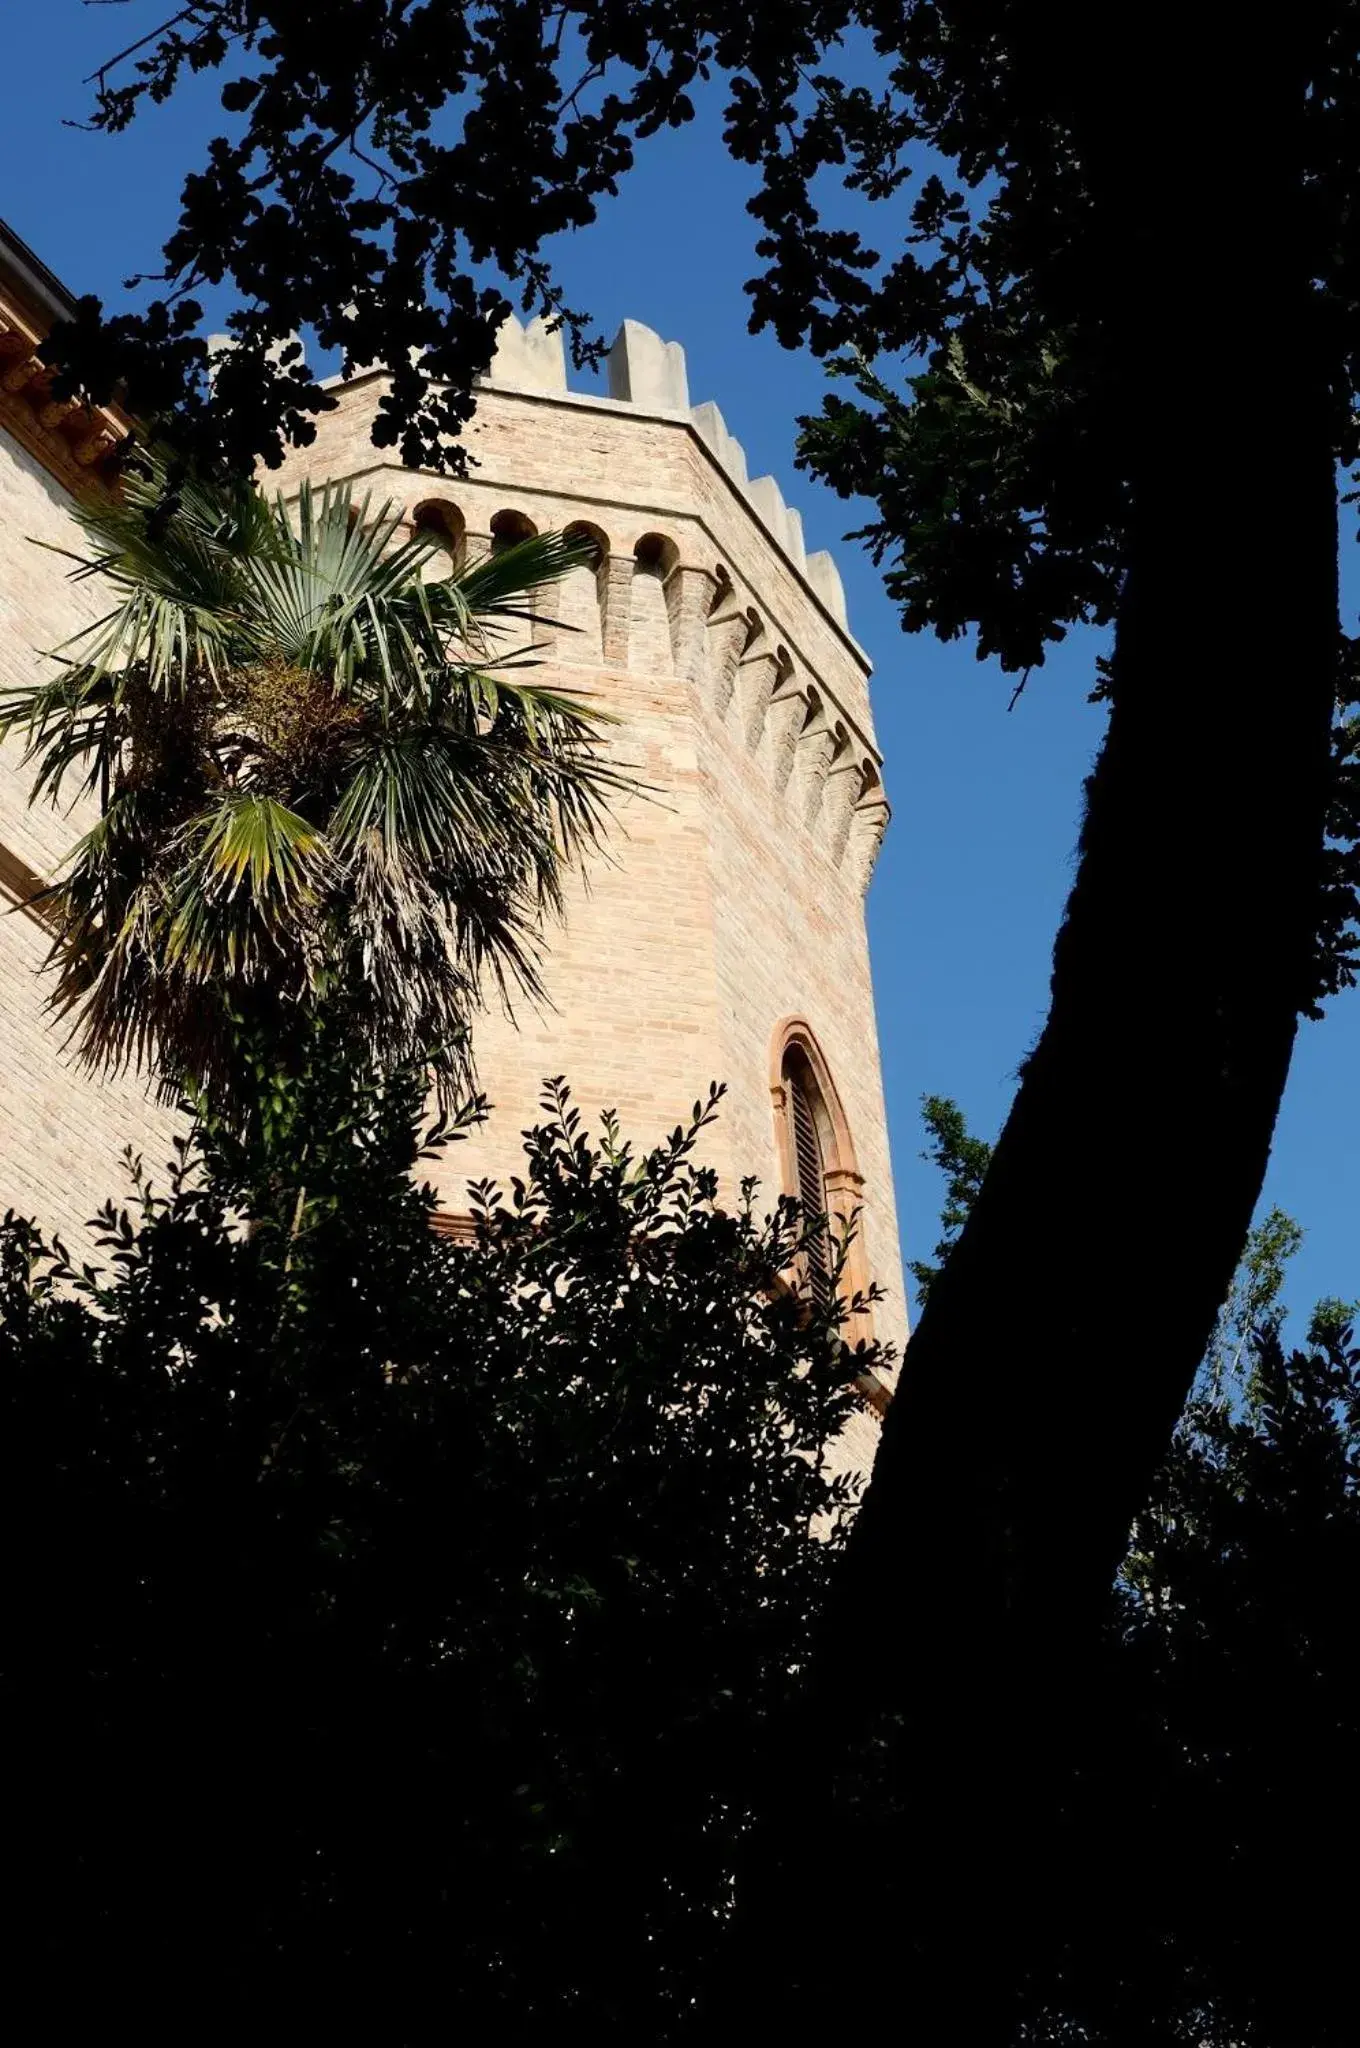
(651, 374)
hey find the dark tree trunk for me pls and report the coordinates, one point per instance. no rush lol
(1041, 1387)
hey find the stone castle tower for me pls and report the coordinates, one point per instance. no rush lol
(720, 936)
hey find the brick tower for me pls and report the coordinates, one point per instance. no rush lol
(721, 935)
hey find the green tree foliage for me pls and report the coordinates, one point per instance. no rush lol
(396, 1625)
(1207, 1898)
(1252, 1299)
(368, 166)
(373, 160)
(322, 777)
(963, 1160)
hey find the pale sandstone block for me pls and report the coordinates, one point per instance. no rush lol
(529, 357)
(646, 371)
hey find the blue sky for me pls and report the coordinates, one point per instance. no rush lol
(986, 804)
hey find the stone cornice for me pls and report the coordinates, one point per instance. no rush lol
(76, 444)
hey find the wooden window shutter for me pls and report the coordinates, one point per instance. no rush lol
(811, 1171)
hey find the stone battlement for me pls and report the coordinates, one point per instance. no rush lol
(650, 375)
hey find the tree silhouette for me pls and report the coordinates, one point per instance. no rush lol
(1206, 1896)
(402, 1630)
(1199, 1894)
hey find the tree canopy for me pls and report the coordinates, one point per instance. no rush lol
(1204, 1803)
(1198, 1890)
(378, 163)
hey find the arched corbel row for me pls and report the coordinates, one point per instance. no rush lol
(841, 793)
(763, 675)
(582, 596)
(783, 724)
(655, 559)
(718, 640)
(758, 676)
(786, 724)
(656, 555)
(690, 592)
(508, 528)
(617, 607)
(439, 519)
(732, 626)
(812, 759)
(868, 823)
(478, 542)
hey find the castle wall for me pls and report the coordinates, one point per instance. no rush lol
(40, 608)
(728, 897)
(62, 1133)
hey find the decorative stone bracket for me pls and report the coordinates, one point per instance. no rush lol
(78, 443)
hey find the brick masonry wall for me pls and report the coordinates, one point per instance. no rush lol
(40, 608)
(62, 1133)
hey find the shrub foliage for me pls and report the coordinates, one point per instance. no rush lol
(401, 1622)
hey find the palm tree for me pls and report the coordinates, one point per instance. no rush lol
(320, 780)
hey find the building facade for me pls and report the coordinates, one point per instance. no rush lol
(61, 1133)
(719, 936)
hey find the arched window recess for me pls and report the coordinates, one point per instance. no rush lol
(439, 519)
(817, 1163)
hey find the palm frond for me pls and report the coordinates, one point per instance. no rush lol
(65, 721)
(323, 777)
(329, 557)
(171, 550)
(241, 897)
(256, 844)
(502, 584)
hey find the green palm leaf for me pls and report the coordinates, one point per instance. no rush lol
(255, 843)
(322, 777)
